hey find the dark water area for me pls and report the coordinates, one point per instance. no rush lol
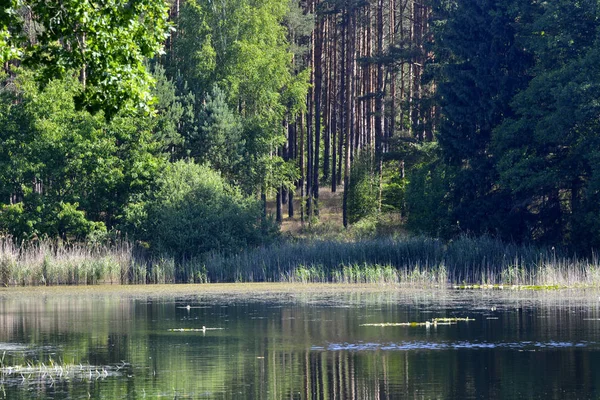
(296, 345)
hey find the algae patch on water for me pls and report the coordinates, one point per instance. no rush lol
(510, 287)
(203, 329)
(433, 322)
(34, 373)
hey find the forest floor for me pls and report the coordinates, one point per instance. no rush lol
(329, 222)
(329, 219)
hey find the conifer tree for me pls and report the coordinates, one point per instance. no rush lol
(549, 148)
(481, 67)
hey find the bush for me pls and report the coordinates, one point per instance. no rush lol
(193, 211)
(25, 221)
(362, 190)
(394, 188)
(426, 203)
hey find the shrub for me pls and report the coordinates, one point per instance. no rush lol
(426, 203)
(193, 211)
(25, 221)
(362, 190)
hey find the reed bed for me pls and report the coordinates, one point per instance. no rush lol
(48, 262)
(367, 274)
(412, 261)
(415, 261)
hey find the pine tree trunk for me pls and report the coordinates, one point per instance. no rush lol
(279, 206)
(292, 154)
(349, 117)
(328, 53)
(302, 170)
(318, 66)
(342, 103)
(335, 110)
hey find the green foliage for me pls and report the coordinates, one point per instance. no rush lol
(72, 222)
(300, 25)
(65, 172)
(218, 140)
(366, 227)
(394, 188)
(363, 188)
(481, 67)
(13, 221)
(550, 147)
(105, 42)
(170, 110)
(193, 211)
(426, 200)
(10, 37)
(64, 220)
(234, 55)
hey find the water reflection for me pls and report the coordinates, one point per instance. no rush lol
(301, 346)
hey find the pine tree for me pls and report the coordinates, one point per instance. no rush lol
(481, 67)
(549, 148)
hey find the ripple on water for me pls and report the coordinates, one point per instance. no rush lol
(424, 345)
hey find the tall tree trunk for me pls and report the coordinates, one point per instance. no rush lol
(292, 154)
(349, 116)
(309, 150)
(353, 85)
(279, 205)
(318, 66)
(379, 95)
(327, 92)
(342, 102)
(335, 109)
(417, 66)
(83, 72)
(302, 170)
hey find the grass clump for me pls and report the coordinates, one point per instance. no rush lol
(48, 262)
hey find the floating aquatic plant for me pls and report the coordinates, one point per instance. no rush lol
(203, 329)
(52, 371)
(433, 322)
(511, 287)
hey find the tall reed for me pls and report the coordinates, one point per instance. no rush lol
(416, 261)
(48, 262)
(420, 260)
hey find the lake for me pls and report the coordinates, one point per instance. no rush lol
(298, 342)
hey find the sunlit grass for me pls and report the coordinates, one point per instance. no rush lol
(48, 263)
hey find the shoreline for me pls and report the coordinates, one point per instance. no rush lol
(270, 288)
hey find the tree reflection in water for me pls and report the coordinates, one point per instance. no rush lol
(304, 347)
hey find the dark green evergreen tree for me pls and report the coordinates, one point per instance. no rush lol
(170, 112)
(481, 66)
(550, 147)
(218, 140)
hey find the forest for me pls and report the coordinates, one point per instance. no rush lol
(171, 125)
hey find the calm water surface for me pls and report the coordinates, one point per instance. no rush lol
(299, 345)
